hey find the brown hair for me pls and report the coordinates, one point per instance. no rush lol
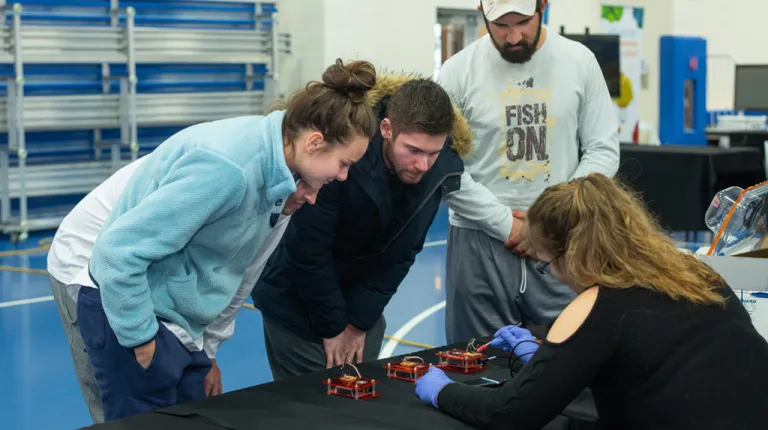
(609, 239)
(337, 107)
(422, 106)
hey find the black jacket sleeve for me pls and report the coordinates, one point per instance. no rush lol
(366, 302)
(554, 376)
(308, 252)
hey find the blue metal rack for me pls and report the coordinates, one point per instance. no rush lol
(89, 85)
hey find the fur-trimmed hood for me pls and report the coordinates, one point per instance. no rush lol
(388, 83)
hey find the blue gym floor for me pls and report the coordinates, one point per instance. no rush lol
(38, 388)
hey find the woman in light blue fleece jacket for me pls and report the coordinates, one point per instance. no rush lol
(188, 223)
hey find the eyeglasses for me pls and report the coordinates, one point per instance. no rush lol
(543, 267)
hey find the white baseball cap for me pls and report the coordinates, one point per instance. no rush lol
(495, 9)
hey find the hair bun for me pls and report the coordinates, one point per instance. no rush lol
(353, 80)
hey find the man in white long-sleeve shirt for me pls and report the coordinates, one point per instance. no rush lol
(541, 113)
(68, 272)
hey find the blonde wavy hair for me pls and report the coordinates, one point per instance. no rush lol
(608, 238)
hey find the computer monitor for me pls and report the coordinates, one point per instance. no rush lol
(607, 50)
(751, 88)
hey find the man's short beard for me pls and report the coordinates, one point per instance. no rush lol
(517, 57)
(389, 156)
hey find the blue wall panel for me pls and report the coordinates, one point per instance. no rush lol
(63, 79)
(192, 14)
(682, 59)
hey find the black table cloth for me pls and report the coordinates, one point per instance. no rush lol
(678, 182)
(302, 402)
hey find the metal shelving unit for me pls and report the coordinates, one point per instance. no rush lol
(121, 44)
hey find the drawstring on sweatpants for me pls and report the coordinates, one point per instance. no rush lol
(523, 277)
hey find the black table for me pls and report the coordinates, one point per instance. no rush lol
(678, 182)
(752, 138)
(302, 403)
(740, 139)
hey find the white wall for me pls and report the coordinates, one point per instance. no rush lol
(575, 15)
(727, 33)
(398, 34)
(739, 31)
(734, 35)
(402, 38)
(395, 34)
(303, 20)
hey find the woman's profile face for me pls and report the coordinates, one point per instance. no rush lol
(319, 163)
(551, 263)
(556, 266)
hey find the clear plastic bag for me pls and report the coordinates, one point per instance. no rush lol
(739, 218)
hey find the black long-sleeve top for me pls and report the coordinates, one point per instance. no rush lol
(651, 363)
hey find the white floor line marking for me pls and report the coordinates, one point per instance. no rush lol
(386, 347)
(389, 347)
(435, 243)
(25, 302)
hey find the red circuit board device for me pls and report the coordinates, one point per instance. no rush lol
(352, 386)
(456, 360)
(407, 370)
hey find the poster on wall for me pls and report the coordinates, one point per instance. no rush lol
(627, 22)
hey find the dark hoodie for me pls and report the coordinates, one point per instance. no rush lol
(342, 259)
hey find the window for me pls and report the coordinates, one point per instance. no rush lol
(455, 29)
(688, 104)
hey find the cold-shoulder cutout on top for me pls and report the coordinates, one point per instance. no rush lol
(573, 317)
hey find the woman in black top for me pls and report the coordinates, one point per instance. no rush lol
(658, 336)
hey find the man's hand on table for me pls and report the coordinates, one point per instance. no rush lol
(345, 347)
(429, 385)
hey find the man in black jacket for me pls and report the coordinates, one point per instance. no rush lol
(324, 290)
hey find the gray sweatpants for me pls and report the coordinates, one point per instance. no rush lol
(68, 312)
(290, 355)
(488, 287)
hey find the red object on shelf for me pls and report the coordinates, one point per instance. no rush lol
(460, 361)
(353, 387)
(406, 370)
(636, 133)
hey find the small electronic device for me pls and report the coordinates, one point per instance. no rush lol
(481, 382)
(352, 386)
(739, 218)
(463, 361)
(410, 369)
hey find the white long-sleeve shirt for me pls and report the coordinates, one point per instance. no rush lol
(528, 121)
(72, 245)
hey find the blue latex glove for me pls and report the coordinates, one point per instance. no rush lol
(515, 339)
(429, 385)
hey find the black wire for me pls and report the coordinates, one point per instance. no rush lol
(522, 342)
(511, 366)
(512, 354)
(511, 363)
(521, 357)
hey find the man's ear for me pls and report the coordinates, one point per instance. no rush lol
(386, 128)
(314, 142)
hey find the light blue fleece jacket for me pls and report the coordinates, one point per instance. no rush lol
(187, 225)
